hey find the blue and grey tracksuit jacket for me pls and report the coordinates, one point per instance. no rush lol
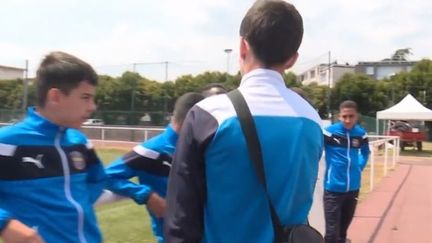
(151, 162)
(49, 179)
(346, 153)
(214, 194)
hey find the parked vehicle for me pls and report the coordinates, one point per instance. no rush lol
(93, 122)
(411, 134)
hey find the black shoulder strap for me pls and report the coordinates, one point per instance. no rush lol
(249, 130)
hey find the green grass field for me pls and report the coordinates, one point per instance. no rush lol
(124, 221)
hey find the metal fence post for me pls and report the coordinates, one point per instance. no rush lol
(372, 166)
(103, 136)
(394, 153)
(398, 149)
(385, 157)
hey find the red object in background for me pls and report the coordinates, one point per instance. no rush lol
(408, 138)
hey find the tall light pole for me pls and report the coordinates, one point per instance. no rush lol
(25, 93)
(329, 86)
(228, 52)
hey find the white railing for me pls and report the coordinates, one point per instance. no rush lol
(374, 145)
(376, 142)
(146, 132)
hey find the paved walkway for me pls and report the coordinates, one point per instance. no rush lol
(399, 210)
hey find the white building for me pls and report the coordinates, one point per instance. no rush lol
(320, 74)
(8, 73)
(383, 69)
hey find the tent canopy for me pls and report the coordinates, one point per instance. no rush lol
(407, 109)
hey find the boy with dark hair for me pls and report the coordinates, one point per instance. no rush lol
(50, 175)
(213, 89)
(151, 162)
(214, 194)
(347, 152)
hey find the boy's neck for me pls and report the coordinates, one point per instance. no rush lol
(49, 115)
(253, 63)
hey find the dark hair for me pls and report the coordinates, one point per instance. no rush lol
(300, 92)
(348, 104)
(184, 103)
(213, 89)
(64, 72)
(274, 31)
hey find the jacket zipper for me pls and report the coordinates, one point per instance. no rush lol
(67, 186)
(329, 174)
(349, 162)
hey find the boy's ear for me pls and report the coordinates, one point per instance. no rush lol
(244, 48)
(54, 96)
(291, 61)
(175, 125)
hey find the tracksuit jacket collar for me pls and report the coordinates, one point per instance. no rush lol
(260, 75)
(41, 123)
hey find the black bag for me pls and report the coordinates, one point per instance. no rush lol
(297, 234)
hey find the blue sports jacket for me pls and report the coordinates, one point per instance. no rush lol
(151, 162)
(214, 194)
(50, 176)
(346, 153)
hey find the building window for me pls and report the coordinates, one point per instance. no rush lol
(312, 74)
(370, 70)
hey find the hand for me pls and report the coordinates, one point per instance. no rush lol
(17, 232)
(157, 205)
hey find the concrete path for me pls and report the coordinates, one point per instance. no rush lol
(399, 210)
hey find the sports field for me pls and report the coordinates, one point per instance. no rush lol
(123, 221)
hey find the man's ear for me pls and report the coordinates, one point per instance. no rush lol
(291, 61)
(175, 125)
(244, 48)
(54, 96)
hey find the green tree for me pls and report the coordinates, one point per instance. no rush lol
(290, 80)
(362, 89)
(317, 96)
(401, 54)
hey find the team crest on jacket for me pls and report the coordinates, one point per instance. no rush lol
(78, 160)
(355, 142)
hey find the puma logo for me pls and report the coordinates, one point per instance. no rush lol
(36, 161)
(337, 140)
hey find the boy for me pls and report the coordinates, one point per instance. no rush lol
(50, 175)
(347, 152)
(214, 194)
(213, 89)
(151, 162)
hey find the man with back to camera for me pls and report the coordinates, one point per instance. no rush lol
(346, 155)
(214, 194)
(50, 175)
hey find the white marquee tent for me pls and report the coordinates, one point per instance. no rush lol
(407, 109)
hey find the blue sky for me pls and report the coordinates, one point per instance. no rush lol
(192, 34)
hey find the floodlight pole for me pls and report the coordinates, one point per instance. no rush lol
(228, 52)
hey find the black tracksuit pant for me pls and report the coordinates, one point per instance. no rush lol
(339, 208)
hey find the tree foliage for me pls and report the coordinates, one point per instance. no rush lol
(133, 94)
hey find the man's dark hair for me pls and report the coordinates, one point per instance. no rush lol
(274, 31)
(184, 103)
(213, 89)
(64, 72)
(348, 104)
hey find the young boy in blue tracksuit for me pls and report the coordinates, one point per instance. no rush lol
(346, 154)
(50, 175)
(151, 162)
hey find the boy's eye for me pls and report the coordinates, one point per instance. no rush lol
(86, 97)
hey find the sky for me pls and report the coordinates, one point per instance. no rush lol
(167, 38)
